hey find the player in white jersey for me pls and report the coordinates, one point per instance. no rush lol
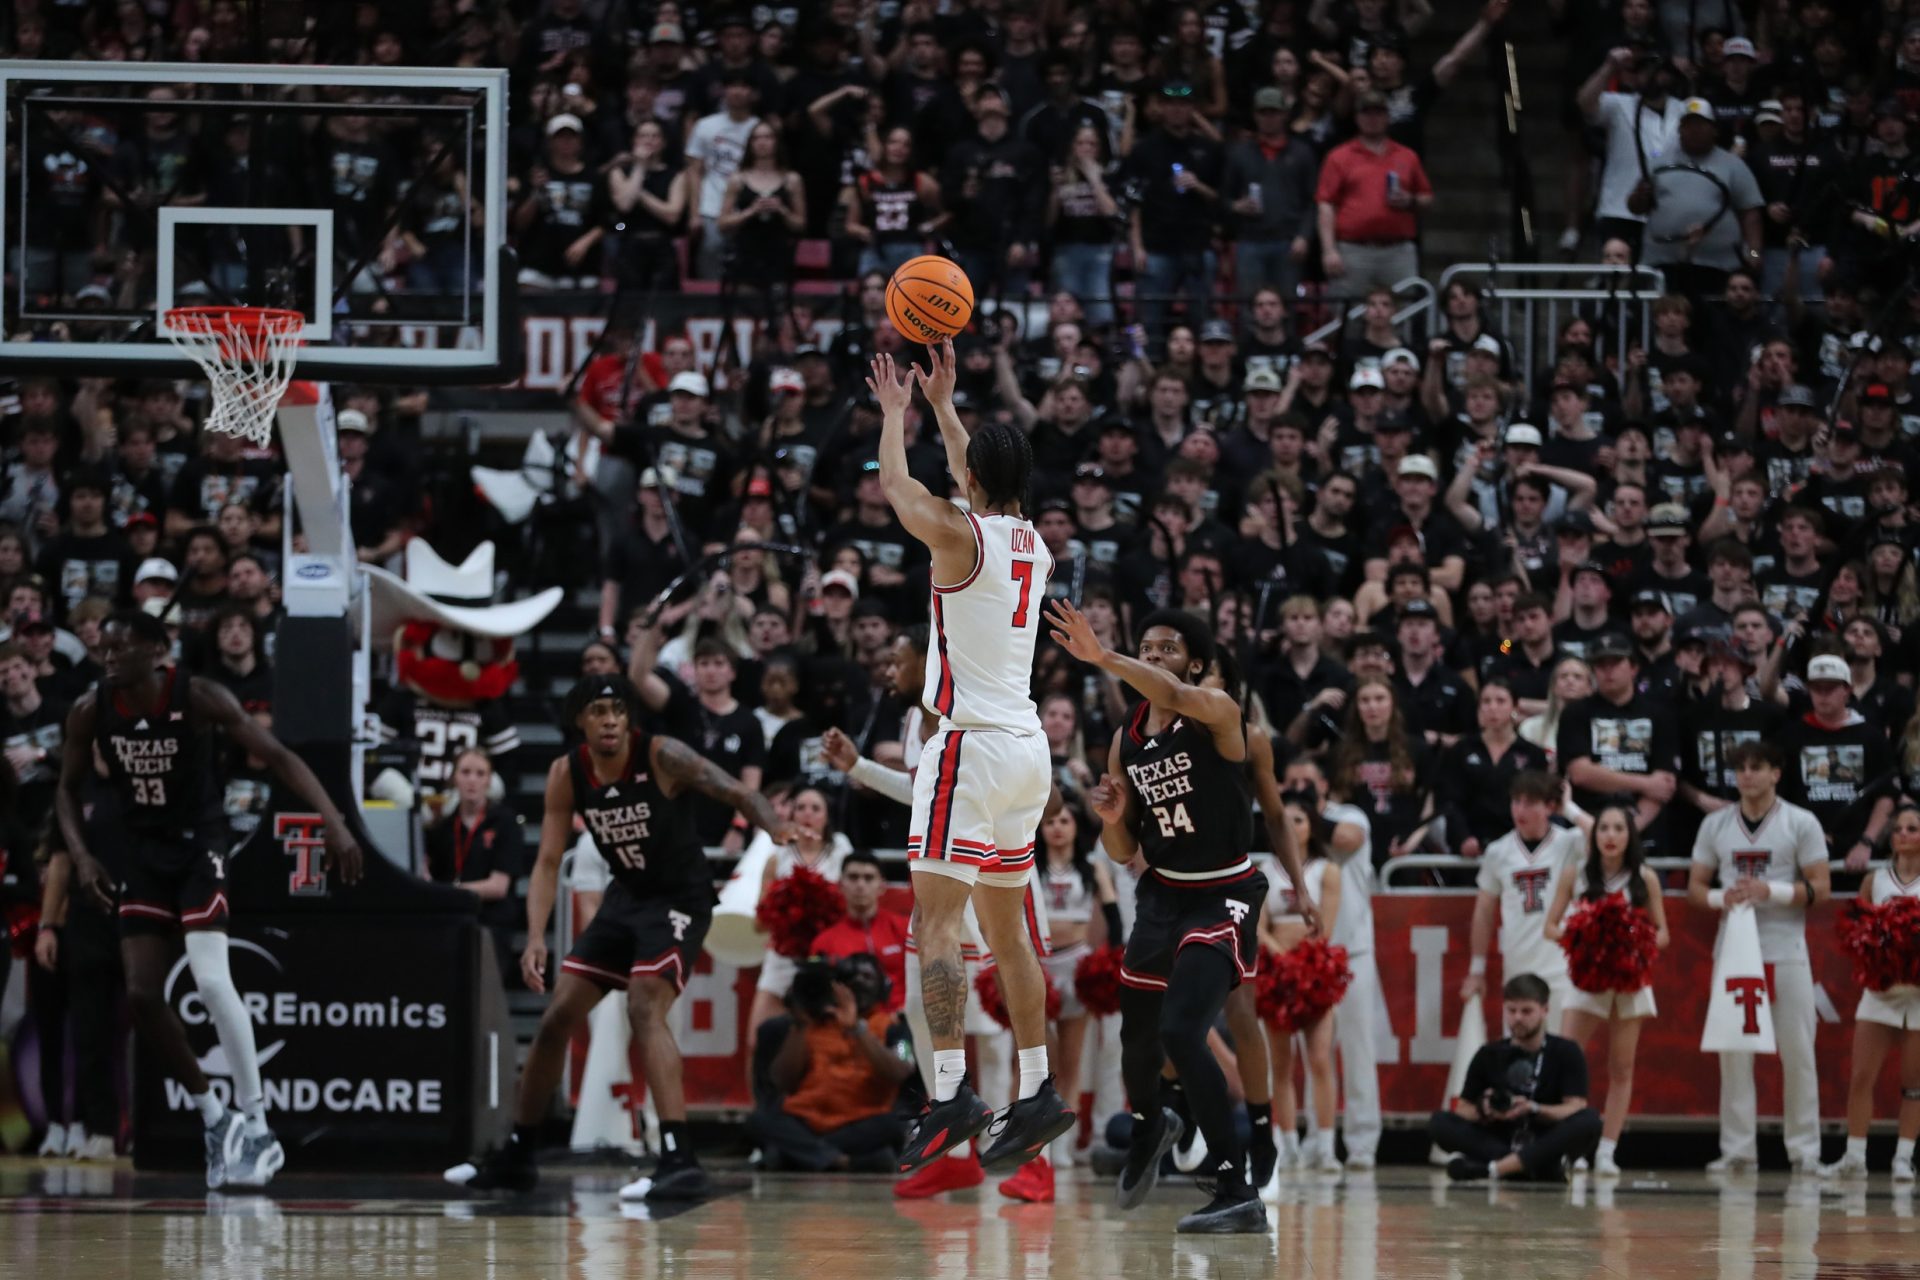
(1519, 873)
(1615, 867)
(1886, 1020)
(985, 772)
(1772, 856)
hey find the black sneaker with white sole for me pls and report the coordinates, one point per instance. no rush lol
(1225, 1216)
(507, 1167)
(682, 1179)
(1023, 1131)
(1142, 1170)
(943, 1126)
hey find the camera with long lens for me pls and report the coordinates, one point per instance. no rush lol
(811, 995)
(1519, 1084)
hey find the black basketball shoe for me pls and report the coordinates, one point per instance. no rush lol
(1226, 1215)
(507, 1167)
(1142, 1170)
(1025, 1129)
(943, 1126)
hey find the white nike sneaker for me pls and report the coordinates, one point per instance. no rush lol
(254, 1160)
(1850, 1165)
(1731, 1164)
(96, 1146)
(54, 1145)
(1903, 1171)
(1604, 1166)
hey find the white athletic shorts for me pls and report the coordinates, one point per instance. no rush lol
(1894, 1007)
(1625, 1005)
(977, 800)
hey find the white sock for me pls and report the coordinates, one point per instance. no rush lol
(1607, 1148)
(1033, 1070)
(1903, 1150)
(949, 1069)
(1856, 1147)
(256, 1114)
(209, 1107)
(1290, 1144)
(207, 957)
(1493, 1170)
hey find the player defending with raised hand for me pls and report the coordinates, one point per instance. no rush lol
(985, 773)
(630, 788)
(1176, 790)
(149, 722)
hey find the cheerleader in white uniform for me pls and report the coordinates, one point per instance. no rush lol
(818, 848)
(1281, 930)
(1071, 884)
(1885, 1020)
(1615, 865)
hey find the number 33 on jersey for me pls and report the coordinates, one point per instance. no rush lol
(984, 628)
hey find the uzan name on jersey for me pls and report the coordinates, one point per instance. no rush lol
(1161, 780)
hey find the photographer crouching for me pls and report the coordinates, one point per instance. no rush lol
(836, 1074)
(1523, 1109)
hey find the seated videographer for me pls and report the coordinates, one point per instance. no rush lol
(1523, 1108)
(836, 1074)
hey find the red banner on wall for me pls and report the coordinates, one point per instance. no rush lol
(1421, 949)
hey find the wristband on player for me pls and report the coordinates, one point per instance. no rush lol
(1780, 892)
(1477, 967)
(1717, 899)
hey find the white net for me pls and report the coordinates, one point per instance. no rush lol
(248, 354)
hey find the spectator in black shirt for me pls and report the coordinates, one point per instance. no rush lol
(1476, 771)
(1523, 1109)
(995, 187)
(1270, 179)
(1620, 741)
(1838, 764)
(1409, 101)
(1438, 704)
(478, 846)
(1176, 171)
(1441, 538)
(1304, 675)
(89, 557)
(239, 659)
(1529, 662)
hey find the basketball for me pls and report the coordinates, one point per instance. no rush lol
(929, 298)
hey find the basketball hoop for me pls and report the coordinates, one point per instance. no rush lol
(248, 354)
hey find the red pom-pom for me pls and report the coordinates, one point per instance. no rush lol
(796, 909)
(1610, 945)
(994, 1001)
(22, 920)
(1096, 980)
(1301, 986)
(1884, 942)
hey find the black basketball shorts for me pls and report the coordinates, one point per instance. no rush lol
(657, 936)
(1169, 916)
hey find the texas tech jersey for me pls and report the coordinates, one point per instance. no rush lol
(647, 838)
(1525, 880)
(1196, 809)
(443, 733)
(159, 764)
(1787, 839)
(984, 626)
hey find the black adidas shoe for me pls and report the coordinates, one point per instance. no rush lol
(1262, 1155)
(1226, 1216)
(1025, 1129)
(1142, 1170)
(682, 1179)
(943, 1126)
(507, 1167)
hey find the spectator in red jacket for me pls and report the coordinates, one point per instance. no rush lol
(1372, 191)
(869, 928)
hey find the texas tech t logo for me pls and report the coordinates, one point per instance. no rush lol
(1237, 909)
(1531, 883)
(302, 837)
(1748, 993)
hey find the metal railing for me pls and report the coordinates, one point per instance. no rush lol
(1422, 310)
(1529, 301)
(1446, 862)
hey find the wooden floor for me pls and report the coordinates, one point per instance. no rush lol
(81, 1222)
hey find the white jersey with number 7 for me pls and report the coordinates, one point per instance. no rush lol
(980, 675)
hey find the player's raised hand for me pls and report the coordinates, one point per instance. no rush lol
(893, 389)
(343, 854)
(1072, 632)
(1108, 801)
(839, 750)
(937, 381)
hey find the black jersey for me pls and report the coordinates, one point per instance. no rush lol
(1196, 807)
(647, 838)
(442, 733)
(160, 764)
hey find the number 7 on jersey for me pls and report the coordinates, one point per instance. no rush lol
(1022, 574)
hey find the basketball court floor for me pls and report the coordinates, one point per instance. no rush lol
(79, 1221)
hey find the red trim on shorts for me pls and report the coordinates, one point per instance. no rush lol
(940, 813)
(1227, 932)
(593, 973)
(1170, 882)
(979, 558)
(657, 968)
(152, 909)
(1042, 942)
(1141, 981)
(214, 906)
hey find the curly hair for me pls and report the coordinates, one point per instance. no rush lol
(1352, 751)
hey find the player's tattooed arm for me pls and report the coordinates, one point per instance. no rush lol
(688, 770)
(69, 803)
